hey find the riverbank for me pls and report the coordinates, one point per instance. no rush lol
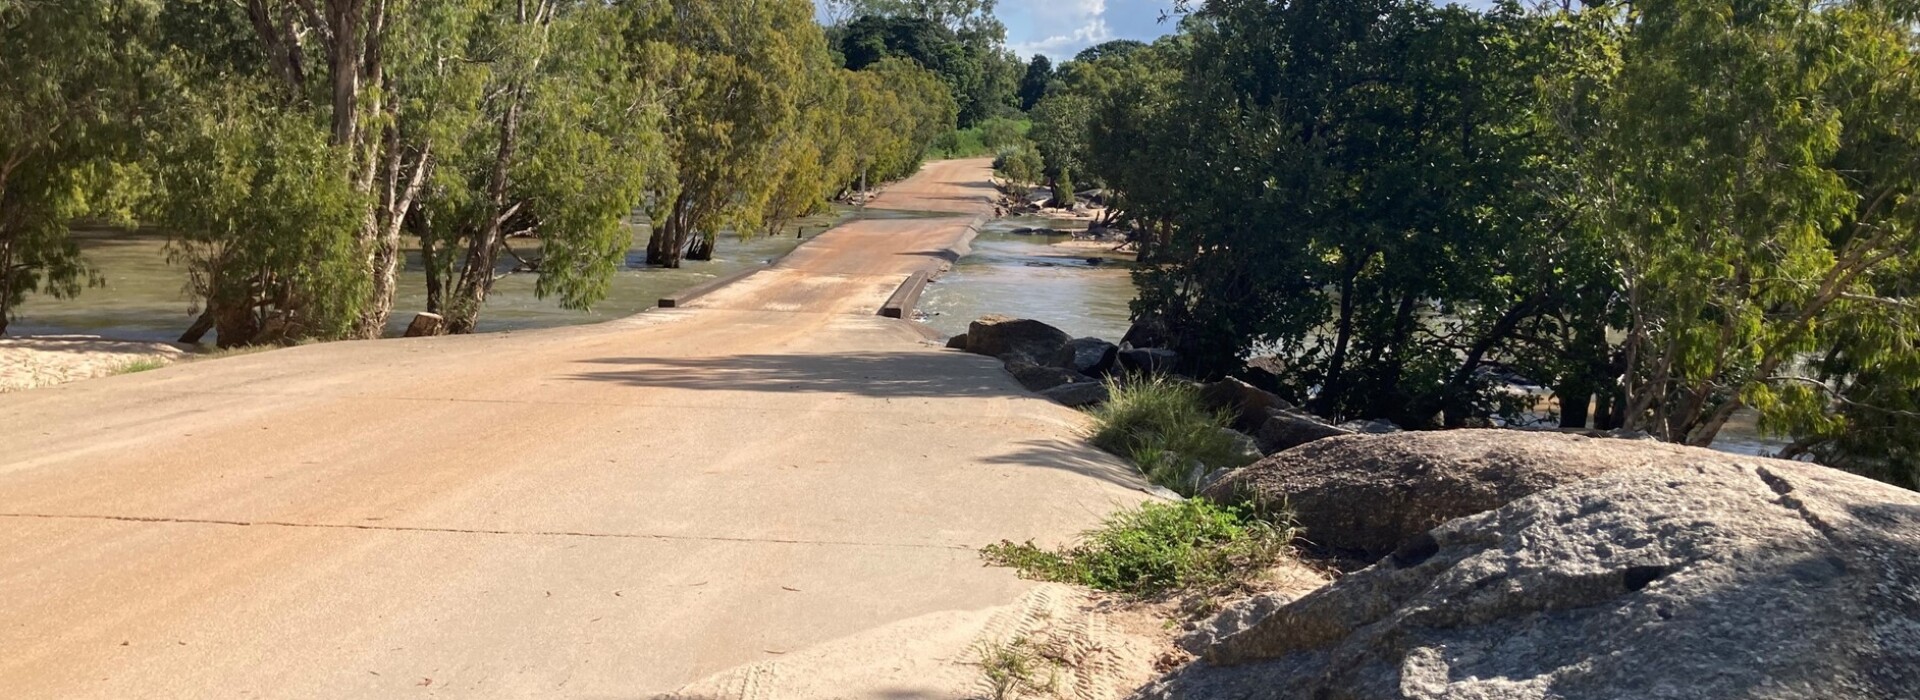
(31, 362)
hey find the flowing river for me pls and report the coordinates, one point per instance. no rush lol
(144, 295)
(1082, 287)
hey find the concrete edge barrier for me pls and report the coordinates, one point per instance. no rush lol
(901, 304)
(907, 296)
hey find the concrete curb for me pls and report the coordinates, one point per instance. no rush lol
(904, 299)
(901, 304)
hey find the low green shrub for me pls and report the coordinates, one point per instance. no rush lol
(1191, 545)
(1161, 424)
(987, 138)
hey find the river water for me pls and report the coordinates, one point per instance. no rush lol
(1050, 278)
(145, 296)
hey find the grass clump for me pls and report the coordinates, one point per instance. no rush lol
(1190, 545)
(1162, 425)
(144, 364)
(1016, 669)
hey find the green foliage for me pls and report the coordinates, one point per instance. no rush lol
(258, 213)
(958, 41)
(897, 109)
(1190, 545)
(1769, 156)
(1060, 135)
(1021, 166)
(992, 136)
(1033, 84)
(736, 76)
(1307, 200)
(64, 79)
(1161, 423)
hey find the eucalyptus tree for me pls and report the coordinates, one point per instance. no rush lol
(815, 159)
(64, 74)
(735, 74)
(1761, 161)
(1060, 135)
(568, 139)
(960, 41)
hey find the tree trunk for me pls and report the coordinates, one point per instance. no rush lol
(7, 274)
(199, 329)
(1576, 403)
(1331, 388)
(701, 247)
(667, 245)
(384, 258)
(483, 247)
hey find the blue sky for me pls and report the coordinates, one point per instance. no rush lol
(1061, 28)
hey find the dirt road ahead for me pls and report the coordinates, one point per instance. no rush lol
(594, 512)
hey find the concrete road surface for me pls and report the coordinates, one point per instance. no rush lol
(606, 511)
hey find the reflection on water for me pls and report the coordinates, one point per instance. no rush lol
(1033, 277)
(145, 297)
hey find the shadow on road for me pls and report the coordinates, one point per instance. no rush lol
(1078, 458)
(878, 374)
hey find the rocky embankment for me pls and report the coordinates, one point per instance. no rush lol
(1074, 372)
(1523, 565)
(1669, 573)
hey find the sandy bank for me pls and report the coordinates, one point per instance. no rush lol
(35, 361)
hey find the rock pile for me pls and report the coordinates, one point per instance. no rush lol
(1674, 573)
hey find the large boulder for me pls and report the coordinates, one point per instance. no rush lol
(1694, 577)
(1148, 332)
(1089, 356)
(1015, 339)
(1248, 405)
(1038, 378)
(1149, 360)
(1078, 394)
(1367, 494)
(1284, 429)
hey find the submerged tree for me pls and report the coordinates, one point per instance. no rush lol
(567, 143)
(735, 73)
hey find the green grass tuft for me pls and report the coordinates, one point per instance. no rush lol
(141, 365)
(1162, 425)
(1015, 669)
(1191, 545)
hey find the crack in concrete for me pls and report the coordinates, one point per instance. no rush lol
(483, 531)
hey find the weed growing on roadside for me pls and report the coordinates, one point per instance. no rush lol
(1162, 425)
(1191, 545)
(141, 365)
(1014, 669)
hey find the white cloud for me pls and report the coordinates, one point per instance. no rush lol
(1036, 29)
